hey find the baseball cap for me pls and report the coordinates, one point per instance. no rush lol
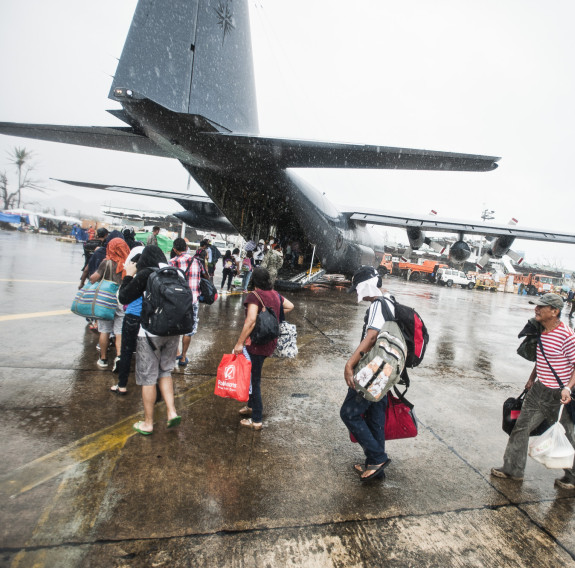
(361, 275)
(553, 300)
(102, 232)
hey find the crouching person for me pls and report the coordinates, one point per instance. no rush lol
(155, 355)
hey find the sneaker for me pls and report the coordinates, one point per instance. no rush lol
(565, 483)
(103, 363)
(97, 347)
(115, 367)
(498, 472)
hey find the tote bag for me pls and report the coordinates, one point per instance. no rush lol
(97, 300)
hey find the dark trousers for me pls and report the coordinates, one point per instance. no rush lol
(368, 430)
(227, 274)
(130, 329)
(255, 400)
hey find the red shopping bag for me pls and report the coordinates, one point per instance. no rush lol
(234, 376)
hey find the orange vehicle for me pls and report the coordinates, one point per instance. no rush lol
(537, 283)
(424, 269)
(387, 263)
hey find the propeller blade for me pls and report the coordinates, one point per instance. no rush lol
(484, 260)
(406, 256)
(437, 247)
(515, 257)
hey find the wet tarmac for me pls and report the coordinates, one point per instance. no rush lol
(78, 487)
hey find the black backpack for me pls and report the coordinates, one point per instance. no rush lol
(267, 327)
(413, 330)
(89, 248)
(167, 305)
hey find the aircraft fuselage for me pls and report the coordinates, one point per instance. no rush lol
(256, 198)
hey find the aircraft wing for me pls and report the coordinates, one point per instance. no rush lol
(315, 154)
(123, 139)
(445, 225)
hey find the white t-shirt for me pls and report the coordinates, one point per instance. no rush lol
(375, 319)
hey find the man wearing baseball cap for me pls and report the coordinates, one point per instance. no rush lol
(365, 419)
(555, 358)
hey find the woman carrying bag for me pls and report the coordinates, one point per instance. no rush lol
(111, 268)
(262, 296)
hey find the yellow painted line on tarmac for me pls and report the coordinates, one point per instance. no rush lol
(51, 465)
(12, 317)
(38, 281)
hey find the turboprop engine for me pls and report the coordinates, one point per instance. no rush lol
(459, 252)
(499, 247)
(417, 238)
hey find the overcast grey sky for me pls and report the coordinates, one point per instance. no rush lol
(490, 77)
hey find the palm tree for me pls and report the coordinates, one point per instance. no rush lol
(22, 159)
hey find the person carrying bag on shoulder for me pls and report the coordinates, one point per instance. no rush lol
(260, 304)
(549, 386)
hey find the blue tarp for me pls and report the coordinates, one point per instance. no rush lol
(7, 218)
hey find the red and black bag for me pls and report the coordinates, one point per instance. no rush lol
(412, 327)
(400, 420)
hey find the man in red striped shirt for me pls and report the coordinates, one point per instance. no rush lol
(545, 394)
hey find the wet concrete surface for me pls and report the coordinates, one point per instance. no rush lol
(79, 488)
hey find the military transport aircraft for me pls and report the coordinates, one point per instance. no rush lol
(185, 82)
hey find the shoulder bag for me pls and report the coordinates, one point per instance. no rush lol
(267, 326)
(287, 340)
(97, 300)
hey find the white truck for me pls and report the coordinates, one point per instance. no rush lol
(448, 277)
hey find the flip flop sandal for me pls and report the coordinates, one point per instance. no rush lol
(173, 422)
(116, 390)
(360, 468)
(137, 428)
(378, 473)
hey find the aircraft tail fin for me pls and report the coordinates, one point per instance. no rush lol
(193, 57)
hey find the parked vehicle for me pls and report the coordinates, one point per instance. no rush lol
(424, 269)
(449, 276)
(538, 283)
(386, 264)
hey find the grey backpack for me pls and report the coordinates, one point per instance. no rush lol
(380, 368)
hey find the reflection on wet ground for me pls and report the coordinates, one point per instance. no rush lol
(79, 488)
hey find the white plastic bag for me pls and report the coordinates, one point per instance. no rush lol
(552, 448)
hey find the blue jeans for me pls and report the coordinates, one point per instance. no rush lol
(369, 431)
(246, 279)
(255, 400)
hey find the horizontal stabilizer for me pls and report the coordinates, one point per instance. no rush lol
(123, 139)
(438, 224)
(285, 153)
(200, 211)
